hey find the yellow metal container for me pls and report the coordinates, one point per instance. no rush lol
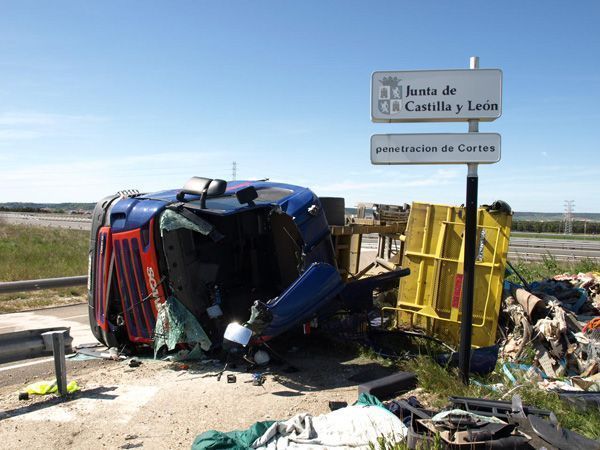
(430, 297)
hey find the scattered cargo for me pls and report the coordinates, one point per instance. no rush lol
(552, 330)
(468, 423)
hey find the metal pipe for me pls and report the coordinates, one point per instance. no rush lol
(45, 283)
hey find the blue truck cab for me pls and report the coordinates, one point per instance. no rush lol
(227, 251)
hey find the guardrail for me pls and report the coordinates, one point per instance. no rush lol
(32, 343)
(7, 287)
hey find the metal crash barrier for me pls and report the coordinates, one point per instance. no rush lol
(7, 287)
(26, 344)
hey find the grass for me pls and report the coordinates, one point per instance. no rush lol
(28, 253)
(549, 266)
(437, 383)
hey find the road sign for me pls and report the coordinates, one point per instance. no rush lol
(436, 95)
(436, 148)
(442, 96)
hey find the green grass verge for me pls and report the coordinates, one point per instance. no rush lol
(37, 252)
(549, 267)
(437, 383)
(28, 253)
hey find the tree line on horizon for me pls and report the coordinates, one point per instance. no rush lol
(555, 226)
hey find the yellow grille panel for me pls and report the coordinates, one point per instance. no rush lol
(430, 297)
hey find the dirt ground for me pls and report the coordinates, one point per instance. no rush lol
(155, 406)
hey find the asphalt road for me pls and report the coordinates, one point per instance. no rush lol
(535, 249)
(525, 248)
(47, 220)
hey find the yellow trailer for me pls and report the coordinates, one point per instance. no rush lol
(430, 297)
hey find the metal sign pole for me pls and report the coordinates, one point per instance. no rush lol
(60, 365)
(466, 322)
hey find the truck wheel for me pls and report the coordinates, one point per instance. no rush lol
(334, 209)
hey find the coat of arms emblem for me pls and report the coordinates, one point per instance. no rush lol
(389, 100)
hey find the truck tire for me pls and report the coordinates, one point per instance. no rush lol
(334, 209)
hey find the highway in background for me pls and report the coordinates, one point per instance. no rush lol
(523, 248)
(535, 249)
(47, 220)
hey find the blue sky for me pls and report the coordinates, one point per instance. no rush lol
(107, 95)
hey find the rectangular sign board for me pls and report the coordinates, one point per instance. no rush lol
(436, 95)
(436, 148)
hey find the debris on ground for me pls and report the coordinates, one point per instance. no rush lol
(552, 333)
(477, 423)
(258, 379)
(355, 426)
(112, 353)
(49, 387)
(134, 362)
(405, 423)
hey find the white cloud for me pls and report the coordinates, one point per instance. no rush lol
(18, 126)
(89, 180)
(439, 177)
(19, 135)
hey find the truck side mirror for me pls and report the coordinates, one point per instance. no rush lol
(247, 195)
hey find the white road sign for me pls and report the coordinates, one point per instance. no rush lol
(436, 95)
(437, 148)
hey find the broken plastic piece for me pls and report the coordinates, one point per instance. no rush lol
(238, 334)
(261, 358)
(526, 370)
(561, 437)
(214, 311)
(258, 379)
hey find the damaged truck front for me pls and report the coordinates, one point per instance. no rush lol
(181, 265)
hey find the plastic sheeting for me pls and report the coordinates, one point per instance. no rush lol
(176, 325)
(358, 427)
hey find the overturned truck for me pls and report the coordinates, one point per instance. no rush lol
(212, 256)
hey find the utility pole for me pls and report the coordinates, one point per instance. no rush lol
(234, 171)
(568, 217)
